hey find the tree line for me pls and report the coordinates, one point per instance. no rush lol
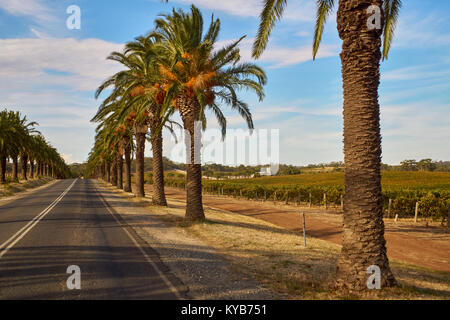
(27, 149)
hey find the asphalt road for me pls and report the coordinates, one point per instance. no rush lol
(69, 224)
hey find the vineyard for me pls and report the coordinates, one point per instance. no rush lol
(430, 190)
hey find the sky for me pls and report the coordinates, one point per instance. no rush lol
(50, 73)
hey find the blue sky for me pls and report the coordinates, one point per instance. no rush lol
(50, 73)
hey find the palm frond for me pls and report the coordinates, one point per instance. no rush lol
(324, 8)
(391, 12)
(272, 12)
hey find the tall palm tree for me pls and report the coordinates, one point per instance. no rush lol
(363, 242)
(150, 96)
(22, 130)
(138, 101)
(33, 154)
(26, 144)
(123, 92)
(7, 140)
(194, 77)
(19, 138)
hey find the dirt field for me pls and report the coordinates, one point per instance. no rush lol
(407, 241)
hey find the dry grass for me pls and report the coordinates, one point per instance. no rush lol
(278, 258)
(12, 188)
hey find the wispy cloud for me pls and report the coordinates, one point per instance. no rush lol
(83, 64)
(31, 8)
(415, 73)
(300, 10)
(53, 82)
(277, 56)
(415, 131)
(416, 30)
(40, 34)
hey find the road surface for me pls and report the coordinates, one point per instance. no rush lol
(69, 224)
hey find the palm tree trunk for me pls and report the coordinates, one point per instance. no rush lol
(140, 132)
(159, 197)
(363, 241)
(15, 169)
(32, 169)
(2, 168)
(119, 170)
(190, 112)
(24, 162)
(114, 171)
(102, 170)
(108, 171)
(127, 151)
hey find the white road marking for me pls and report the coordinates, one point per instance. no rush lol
(8, 244)
(167, 282)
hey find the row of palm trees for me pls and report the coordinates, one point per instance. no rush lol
(174, 68)
(19, 140)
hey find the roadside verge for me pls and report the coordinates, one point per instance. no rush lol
(14, 191)
(201, 268)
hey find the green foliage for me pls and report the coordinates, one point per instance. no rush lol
(19, 138)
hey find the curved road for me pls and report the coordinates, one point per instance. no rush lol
(69, 224)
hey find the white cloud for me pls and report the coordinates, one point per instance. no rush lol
(415, 73)
(79, 64)
(53, 81)
(278, 56)
(300, 10)
(416, 30)
(416, 131)
(303, 34)
(32, 8)
(67, 158)
(40, 34)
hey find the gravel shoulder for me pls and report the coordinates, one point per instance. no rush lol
(204, 271)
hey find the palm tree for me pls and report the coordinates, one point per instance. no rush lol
(19, 142)
(137, 97)
(33, 154)
(194, 75)
(6, 141)
(150, 96)
(363, 242)
(26, 144)
(19, 138)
